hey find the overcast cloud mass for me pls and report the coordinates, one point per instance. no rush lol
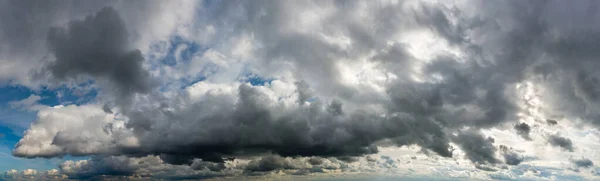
(291, 90)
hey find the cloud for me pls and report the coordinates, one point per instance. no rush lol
(551, 122)
(29, 103)
(511, 157)
(477, 148)
(98, 46)
(153, 167)
(341, 84)
(74, 130)
(523, 130)
(583, 162)
(31, 174)
(274, 162)
(559, 141)
(122, 167)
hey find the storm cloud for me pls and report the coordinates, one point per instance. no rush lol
(477, 148)
(98, 46)
(333, 85)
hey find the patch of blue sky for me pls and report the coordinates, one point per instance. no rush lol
(19, 118)
(182, 49)
(49, 96)
(249, 76)
(256, 80)
(176, 52)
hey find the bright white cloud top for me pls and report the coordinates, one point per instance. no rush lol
(200, 89)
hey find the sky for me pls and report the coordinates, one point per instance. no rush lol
(299, 90)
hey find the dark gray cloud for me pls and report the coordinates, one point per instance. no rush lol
(583, 162)
(511, 157)
(113, 166)
(523, 130)
(370, 159)
(242, 129)
(315, 161)
(143, 168)
(23, 28)
(106, 109)
(98, 46)
(477, 148)
(559, 141)
(551, 122)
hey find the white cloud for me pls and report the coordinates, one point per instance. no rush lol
(75, 130)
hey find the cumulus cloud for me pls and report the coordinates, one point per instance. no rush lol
(98, 46)
(31, 174)
(334, 83)
(511, 157)
(131, 168)
(583, 162)
(153, 167)
(559, 141)
(74, 130)
(523, 130)
(477, 148)
(551, 122)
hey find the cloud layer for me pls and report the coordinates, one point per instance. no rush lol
(306, 83)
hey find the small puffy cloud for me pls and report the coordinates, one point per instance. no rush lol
(562, 142)
(33, 175)
(583, 162)
(523, 130)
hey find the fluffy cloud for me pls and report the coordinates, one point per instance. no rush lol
(30, 174)
(74, 130)
(562, 142)
(583, 162)
(338, 80)
(523, 129)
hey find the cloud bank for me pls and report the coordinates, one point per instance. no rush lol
(306, 83)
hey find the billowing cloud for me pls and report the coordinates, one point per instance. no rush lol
(98, 46)
(61, 130)
(307, 86)
(477, 148)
